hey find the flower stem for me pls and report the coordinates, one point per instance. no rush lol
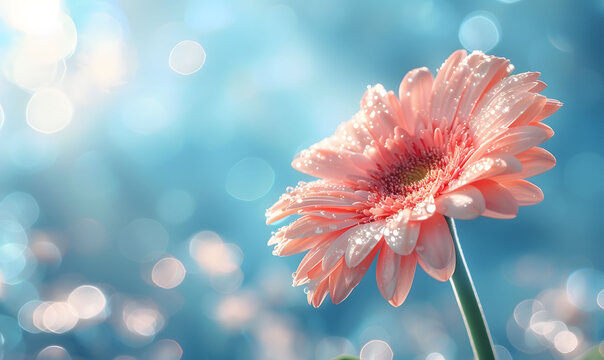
(468, 302)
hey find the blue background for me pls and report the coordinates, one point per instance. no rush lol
(279, 76)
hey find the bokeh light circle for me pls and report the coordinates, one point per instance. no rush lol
(168, 273)
(49, 110)
(250, 179)
(187, 57)
(376, 350)
(88, 301)
(53, 352)
(479, 31)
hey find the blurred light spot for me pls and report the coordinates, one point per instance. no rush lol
(55, 44)
(235, 311)
(88, 236)
(479, 31)
(55, 317)
(187, 57)
(600, 299)
(333, 346)
(31, 16)
(523, 339)
(30, 72)
(435, 356)
(26, 316)
(168, 273)
(524, 310)
(165, 349)
(376, 350)
(502, 353)
(1, 116)
(11, 332)
(145, 115)
(31, 151)
(88, 301)
(107, 64)
(124, 357)
(250, 179)
(509, 1)
(175, 206)
(12, 262)
(585, 186)
(53, 352)
(208, 16)
(226, 283)
(142, 318)
(582, 288)
(45, 250)
(542, 322)
(22, 206)
(49, 110)
(143, 240)
(12, 233)
(212, 255)
(566, 342)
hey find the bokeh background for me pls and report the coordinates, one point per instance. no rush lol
(142, 141)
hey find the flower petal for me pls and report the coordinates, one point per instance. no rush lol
(317, 291)
(464, 203)
(316, 225)
(524, 192)
(534, 162)
(499, 201)
(382, 111)
(400, 233)
(362, 240)
(415, 93)
(394, 275)
(487, 167)
(435, 250)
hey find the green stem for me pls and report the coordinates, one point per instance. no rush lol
(468, 302)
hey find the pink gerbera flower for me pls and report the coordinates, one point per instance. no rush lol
(458, 145)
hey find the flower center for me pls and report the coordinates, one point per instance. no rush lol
(414, 177)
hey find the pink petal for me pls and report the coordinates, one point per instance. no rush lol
(382, 111)
(326, 164)
(344, 279)
(511, 141)
(496, 118)
(315, 225)
(310, 261)
(522, 82)
(337, 249)
(443, 77)
(338, 291)
(524, 192)
(499, 201)
(362, 240)
(464, 203)
(551, 106)
(317, 293)
(400, 233)
(395, 275)
(534, 162)
(435, 250)
(484, 77)
(529, 114)
(487, 167)
(415, 93)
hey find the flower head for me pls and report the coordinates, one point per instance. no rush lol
(458, 145)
